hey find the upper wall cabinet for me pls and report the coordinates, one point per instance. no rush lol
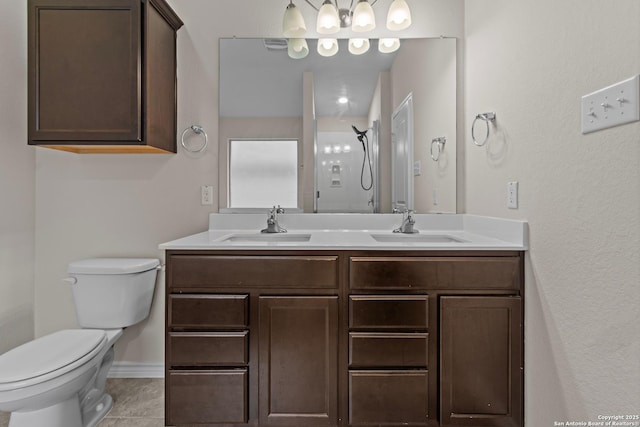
(102, 75)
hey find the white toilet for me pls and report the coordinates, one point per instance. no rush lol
(59, 380)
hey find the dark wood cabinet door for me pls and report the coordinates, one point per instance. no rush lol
(206, 397)
(85, 71)
(388, 397)
(298, 341)
(481, 361)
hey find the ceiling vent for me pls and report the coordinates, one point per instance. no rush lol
(275, 44)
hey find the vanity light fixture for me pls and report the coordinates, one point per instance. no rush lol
(327, 47)
(358, 46)
(293, 25)
(297, 48)
(388, 45)
(363, 17)
(399, 16)
(331, 18)
(328, 19)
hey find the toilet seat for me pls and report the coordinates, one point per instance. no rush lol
(49, 357)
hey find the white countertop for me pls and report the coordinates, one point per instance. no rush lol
(356, 232)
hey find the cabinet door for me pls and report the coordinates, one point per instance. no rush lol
(388, 397)
(481, 361)
(298, 343)
(207, 397)
(84, 71)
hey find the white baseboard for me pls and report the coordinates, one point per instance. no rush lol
(136, 370)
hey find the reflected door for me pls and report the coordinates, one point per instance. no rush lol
(402, 155)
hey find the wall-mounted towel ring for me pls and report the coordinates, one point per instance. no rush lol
(439, 143)
(486, 117)
(197, 130)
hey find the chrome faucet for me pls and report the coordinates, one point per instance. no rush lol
(272, 221)
(407, 223)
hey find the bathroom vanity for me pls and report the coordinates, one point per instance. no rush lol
(299, 331)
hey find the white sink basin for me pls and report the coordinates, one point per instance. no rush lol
(416, 238)
(267, 237)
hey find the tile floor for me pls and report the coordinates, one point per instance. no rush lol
(138, 402)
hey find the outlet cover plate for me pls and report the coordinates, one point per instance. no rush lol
(512, 195)
(612, 106)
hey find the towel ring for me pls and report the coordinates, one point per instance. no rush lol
(439, 143)
(486, 117)
(197, 130)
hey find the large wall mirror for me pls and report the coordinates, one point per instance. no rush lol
(340, 110)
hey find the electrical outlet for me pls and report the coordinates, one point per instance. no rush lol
(435, 197)
(417, 168)
(206, 195)
(512, 195)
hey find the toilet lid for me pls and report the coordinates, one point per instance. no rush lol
(49, 353)
(112, 265)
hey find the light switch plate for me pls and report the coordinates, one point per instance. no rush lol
(512, 195)
(612, 106)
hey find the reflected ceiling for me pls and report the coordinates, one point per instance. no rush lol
(277, 89)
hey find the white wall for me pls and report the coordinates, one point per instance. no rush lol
(17, 188)
(431, 79)
(108, 205)
(530, 62)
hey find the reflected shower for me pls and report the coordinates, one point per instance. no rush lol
(366, 157)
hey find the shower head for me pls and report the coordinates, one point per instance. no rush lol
(361, 135)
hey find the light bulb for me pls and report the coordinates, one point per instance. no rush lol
(328, 20)
(293, 25)
(297, 48)
(327, 47)
(388, 45)
(363, 17)
(358, 46)
(399, 16)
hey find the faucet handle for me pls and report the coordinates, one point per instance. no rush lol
(279, 209)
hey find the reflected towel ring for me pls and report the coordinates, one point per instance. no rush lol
(197, 130)
(486, 117)
(439, 143)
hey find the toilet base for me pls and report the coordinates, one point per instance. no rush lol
(63, 414)
(98, 411)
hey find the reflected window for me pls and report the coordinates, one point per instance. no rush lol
(263, 173)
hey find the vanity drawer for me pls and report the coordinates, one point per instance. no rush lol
(388, 397)
(388, 350)
(209, 348)
(480, 273)
(399, 312)
(434, 272)
(392, 273)
(207, 397)
(278, 271)
(208, 311)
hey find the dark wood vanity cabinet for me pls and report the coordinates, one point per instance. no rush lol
(352, 338)
(102, 75)
(252, 338)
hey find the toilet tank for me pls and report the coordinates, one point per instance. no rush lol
(112, 292)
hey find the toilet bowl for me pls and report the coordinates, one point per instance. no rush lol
(59, 380)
